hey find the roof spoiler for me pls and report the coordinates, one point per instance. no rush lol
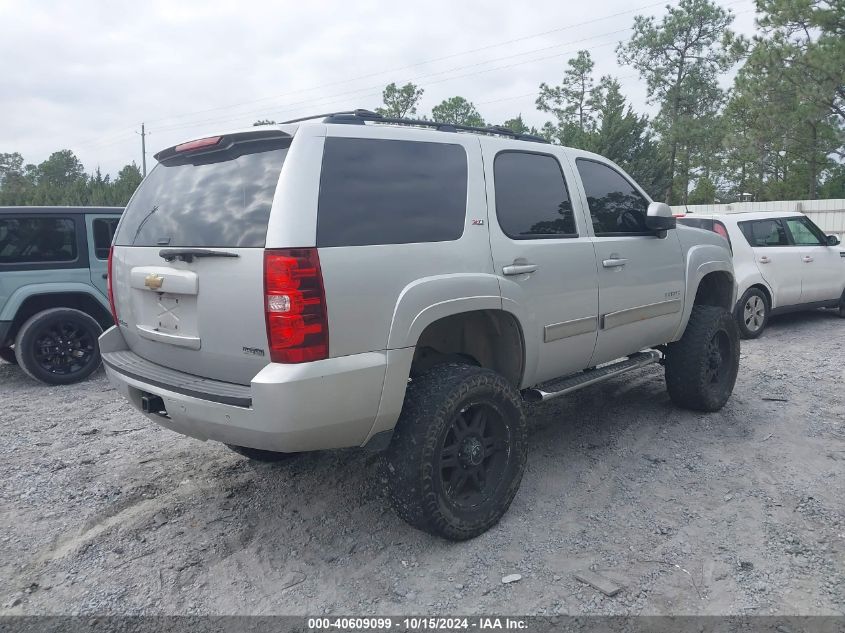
(218, 143)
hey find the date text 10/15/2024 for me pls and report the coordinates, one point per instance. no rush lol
(417, 623)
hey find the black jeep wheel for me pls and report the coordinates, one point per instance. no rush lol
(260, 455)
(8, 354)
(752, 313)
(458, 453)
(701, 368)
(59, 346)
(842, 306)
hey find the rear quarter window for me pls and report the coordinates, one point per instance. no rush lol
(375, 191)
(25, 240)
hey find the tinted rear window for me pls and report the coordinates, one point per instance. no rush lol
(216, 199)
(375, 191)
(531, 196)
(31, 240)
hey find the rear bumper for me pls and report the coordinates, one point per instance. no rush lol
(311, 406)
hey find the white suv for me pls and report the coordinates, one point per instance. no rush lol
(783, 263)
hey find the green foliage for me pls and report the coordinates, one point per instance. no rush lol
(681, 58)
(458, 111)
(704, 192)
(599, 119)
(777, 133)
(834, 186)
(571, 102)
(783, 125)
(625, 138)
(15, 179)
(400, 102)
(518, 126)
(807, 46)
(61, 180)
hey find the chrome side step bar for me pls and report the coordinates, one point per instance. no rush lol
(568, 384)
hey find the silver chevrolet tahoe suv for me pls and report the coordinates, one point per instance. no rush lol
(353, 280)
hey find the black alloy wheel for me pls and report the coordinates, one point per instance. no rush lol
(474, 456)
(64, 347)
(59, 346)
(458, 451)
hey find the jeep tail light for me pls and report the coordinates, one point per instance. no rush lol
(295, 306)
(110, 285)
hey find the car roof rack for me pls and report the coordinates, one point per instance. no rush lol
(360, 117)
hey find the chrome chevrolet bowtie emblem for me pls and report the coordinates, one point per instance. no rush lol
(153, 281)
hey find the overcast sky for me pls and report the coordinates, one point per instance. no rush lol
(84, 74)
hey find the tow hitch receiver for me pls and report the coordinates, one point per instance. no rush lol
(152, 404)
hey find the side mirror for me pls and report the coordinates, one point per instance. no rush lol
(659, 217)
(832, 240)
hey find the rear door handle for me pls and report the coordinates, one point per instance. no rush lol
(807, 259)
(764, 259)
(519, 269)
(613, 262)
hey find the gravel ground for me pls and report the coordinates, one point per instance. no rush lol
(738, 512)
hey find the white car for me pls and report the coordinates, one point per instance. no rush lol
(783, 263)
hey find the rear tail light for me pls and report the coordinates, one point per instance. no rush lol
(719, 228)
(295, 306)
(110, 285)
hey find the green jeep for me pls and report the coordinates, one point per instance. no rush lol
(53, 296)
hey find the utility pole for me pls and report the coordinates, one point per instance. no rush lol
(143, 151)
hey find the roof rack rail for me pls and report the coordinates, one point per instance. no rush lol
(360, 117)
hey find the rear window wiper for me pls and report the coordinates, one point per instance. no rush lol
(188, 254)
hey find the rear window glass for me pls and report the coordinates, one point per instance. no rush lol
(31, 240)
(531, 196)
(216, 199)
(375, 191)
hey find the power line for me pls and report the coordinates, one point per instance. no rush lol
(281, 108)
(293, 106)
(415, 64)
(533, 93)
(345, 95)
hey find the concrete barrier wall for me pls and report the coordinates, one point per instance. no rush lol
(829, 215)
